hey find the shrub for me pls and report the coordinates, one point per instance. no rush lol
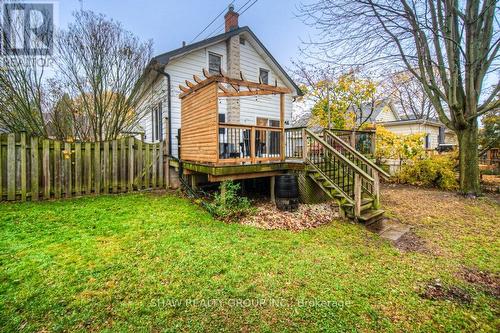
(228, 205)
(435, 171)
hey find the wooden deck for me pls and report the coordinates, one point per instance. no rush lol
(204, 140)
(218, 173)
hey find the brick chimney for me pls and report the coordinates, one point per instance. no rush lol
(231, 19)
(233, 63)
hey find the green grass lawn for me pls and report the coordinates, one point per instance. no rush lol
(147, 262)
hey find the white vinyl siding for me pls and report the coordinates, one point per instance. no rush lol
(184, 67)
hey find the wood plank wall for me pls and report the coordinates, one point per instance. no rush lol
(34, 168)
(199, 119)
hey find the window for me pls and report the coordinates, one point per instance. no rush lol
(274, 123)
(264, 76)
(157, 123)
(427, 141)
(222, 119)
(214, 63)
(442, 135)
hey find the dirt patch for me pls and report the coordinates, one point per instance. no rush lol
(436, 291)
(306, 217)
(410, 242)
(486, 281)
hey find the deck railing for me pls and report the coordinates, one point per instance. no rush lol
(295, 142)
(247, 143)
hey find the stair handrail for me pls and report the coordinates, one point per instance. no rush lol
(359, 155)
(357, 169)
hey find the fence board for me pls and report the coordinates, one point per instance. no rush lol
(97, 167)
(88, 168)
(57, 169)
(161, 167)
(155, 164)
(115, 165)
(11, 167)
(123, 166)
(105, 162)
(67, 170)
(131, 164)
(78, 169)
(46, 169)
(23, 167)
(139, 159)
(147, 166)
(34, 169)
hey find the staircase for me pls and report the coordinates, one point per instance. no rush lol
(345, 175)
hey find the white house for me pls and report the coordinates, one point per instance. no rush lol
(239, 53)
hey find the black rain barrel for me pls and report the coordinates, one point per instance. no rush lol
(287, 193)
(287, 187)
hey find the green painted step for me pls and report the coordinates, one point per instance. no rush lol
(371, 216)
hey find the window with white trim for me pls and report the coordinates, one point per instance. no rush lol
(156, 123)
(214, 63)
(264, 75)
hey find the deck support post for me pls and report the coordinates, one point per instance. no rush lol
(273, 186)
(357, 195)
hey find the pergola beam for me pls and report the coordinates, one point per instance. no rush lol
(254, 88)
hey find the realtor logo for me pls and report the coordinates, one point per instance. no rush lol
(28, 28)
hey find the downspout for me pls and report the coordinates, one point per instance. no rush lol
(169, 110)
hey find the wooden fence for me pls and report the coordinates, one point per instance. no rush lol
(36, 168)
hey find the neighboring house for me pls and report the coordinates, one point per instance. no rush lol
(236, 50)
(384, 114)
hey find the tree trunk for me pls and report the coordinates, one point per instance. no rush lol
(469, 160)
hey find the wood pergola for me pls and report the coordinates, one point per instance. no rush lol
(200, 126)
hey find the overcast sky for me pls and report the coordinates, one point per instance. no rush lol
(169, 22)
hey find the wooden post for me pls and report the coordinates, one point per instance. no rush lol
(11, 166)
(167, 147)
(304, 144)
(252, 145)
(376, 189)
(282, 125)
(374, 143)
(23, 167)
(353, 139)
(273, 185)
(357, 195)
(34, 169)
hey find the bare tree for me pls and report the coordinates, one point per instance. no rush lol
(22, 89)
(101, 67)
(408, 97)
(449, 46)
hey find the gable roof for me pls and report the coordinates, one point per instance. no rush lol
(164, 59)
